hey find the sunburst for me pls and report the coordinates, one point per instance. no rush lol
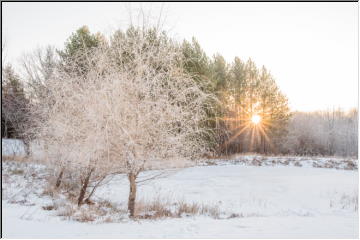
(255, 119)
(256, 123)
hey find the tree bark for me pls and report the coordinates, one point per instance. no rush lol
(59, 178)
(84, 187)
(87, 200)
(27, 148)
(132, 194)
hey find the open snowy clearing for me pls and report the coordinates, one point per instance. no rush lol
(254, 202)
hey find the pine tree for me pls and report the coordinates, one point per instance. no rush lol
(74, 57)
(14, 106)
(196, 62)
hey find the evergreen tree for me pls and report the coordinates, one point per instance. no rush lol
(249, 92)
(72, 57)
(219, 71)
(14, 105)
(197, 63)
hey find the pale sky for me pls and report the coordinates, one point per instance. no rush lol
(310, 48)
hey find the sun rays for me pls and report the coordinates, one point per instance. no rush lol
(253, 126)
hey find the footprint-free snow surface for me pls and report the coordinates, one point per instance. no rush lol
(255, 202)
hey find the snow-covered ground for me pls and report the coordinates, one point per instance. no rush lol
(12, 147)
(255, 202)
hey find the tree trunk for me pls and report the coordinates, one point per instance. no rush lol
(87, 200)
(27, 148)
(58, 180)
(84, 187)
(132, 194)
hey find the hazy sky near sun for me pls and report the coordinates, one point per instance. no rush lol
(310, 48)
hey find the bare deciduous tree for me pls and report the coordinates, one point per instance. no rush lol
(38, 67)
(134, 110)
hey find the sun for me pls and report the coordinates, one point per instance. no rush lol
(255, 119)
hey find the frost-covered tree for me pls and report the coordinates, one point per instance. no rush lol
(38, 67)
(135, 109)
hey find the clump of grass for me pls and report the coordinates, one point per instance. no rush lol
(102, 211)
(85, 216)
(17, 171)
(158, 208)
(198, 209)
(188, 209)
(163, 208)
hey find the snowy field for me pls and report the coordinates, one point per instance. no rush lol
(253, 201)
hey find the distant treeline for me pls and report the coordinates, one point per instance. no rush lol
(332, 132)
(242, 91)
